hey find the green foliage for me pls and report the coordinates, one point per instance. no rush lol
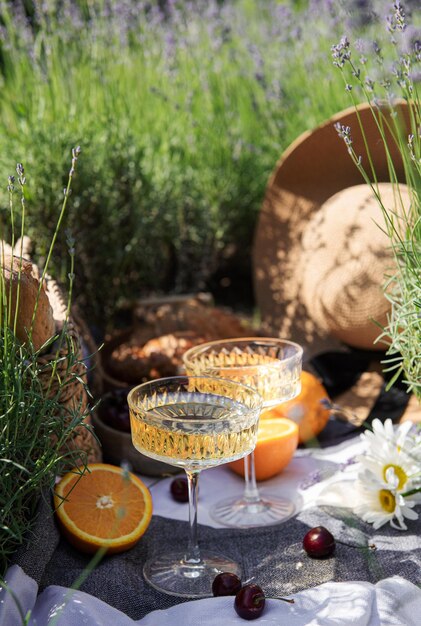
(182, 116)
(36, 428)
(34, 441)
(382, 81)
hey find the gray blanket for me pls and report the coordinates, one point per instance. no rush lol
(271, 556)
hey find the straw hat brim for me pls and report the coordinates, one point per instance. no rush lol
(313, 169)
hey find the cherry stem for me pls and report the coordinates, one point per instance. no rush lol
(289, 600)
(257, 600)
(263, 596)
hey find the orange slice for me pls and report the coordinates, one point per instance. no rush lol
(307, 409)
(277, 440)
(107, 507)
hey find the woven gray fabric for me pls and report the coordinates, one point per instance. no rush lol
(41, 542)
(272, 556)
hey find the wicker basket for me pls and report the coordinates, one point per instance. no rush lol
(70, 368)
(171, 324)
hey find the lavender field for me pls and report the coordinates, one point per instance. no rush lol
(181, 110)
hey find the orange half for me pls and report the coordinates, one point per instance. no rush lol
(307, 409)
(277, 440)
(106, 507)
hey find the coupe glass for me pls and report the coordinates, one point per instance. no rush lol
(273, 368)
(192, 422)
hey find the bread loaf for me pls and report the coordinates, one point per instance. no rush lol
(42, 327)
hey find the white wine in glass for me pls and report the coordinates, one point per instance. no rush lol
(272, 367)
(194, 423)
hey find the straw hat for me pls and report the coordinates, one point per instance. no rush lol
(314, 225)
(319, 256)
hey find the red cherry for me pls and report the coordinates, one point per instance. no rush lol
(319, 542)
(180, 490)
(250, 602)
(226, 584)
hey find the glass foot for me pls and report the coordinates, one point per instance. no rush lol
(171, 574)
(239, 513)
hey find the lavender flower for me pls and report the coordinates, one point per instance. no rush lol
(344, 133)
(21, 174)
(385, 77)
(341, 52)
(75, 154)
(399, 16)
(70, 240)
(369, 84)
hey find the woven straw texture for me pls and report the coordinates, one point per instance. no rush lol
(70, 368)
(313, 169)
(63, 372)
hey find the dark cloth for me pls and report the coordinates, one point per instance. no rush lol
(272, 556)
(339, 371)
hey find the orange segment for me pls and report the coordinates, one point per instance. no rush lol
(105, 508)
(277, 440)
(306, 409)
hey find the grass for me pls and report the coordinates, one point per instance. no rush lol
(181, 117)
(37, 428)
(34, 443)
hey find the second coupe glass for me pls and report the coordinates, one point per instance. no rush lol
(272, 367)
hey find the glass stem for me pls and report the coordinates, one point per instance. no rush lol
(251, 492)
(193, 553)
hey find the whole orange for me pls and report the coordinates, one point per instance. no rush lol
(277, 440)
(306, 410)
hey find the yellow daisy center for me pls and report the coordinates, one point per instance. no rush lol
(387, 500)
(400, 473)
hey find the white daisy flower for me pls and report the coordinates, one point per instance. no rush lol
(379, 461)
(388, 447)
(380, 501)
(389, 469)
(412, 444)
(384, 435)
